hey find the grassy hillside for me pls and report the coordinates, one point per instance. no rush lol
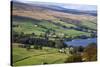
(41, 27)
(39, 32)
(33, 57)
(39, 19)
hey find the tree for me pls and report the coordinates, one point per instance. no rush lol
(69, 38)
(28, 47)
(64, 45)
(90, 52)
(83, 36)
(33, 34)
(93, 35)
(80, 49)
(36, 47)
(60, 44)
(73, 58)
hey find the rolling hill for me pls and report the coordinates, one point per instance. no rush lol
(52, 16)
(49, 33)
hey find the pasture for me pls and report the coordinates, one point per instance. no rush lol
(41, 27)
(35, 56)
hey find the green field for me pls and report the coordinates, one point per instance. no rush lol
(40, 32)
(48, 55)
(41, 27)
(33, 57)
(89, 24)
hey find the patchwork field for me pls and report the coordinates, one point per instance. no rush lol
(41, 27)
(40, 32)
(34, 56)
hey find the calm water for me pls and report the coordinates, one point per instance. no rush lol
(82, 42)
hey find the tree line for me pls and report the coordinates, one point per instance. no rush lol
(31, 39)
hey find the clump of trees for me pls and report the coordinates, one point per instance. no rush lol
(90, 52)
(31, 39)
(80, 49)
(76, 49)
(80, 54)
(60, 44)
(37, 46)
(73, 58)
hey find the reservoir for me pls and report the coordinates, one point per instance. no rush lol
(81, 42)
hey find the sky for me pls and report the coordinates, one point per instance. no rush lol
(81, 7)
(72, 6)
(64, 1)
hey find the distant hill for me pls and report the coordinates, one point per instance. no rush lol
(52, 16)
(49, 11)
(60, 7)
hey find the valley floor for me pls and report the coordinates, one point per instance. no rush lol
(47, 55)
